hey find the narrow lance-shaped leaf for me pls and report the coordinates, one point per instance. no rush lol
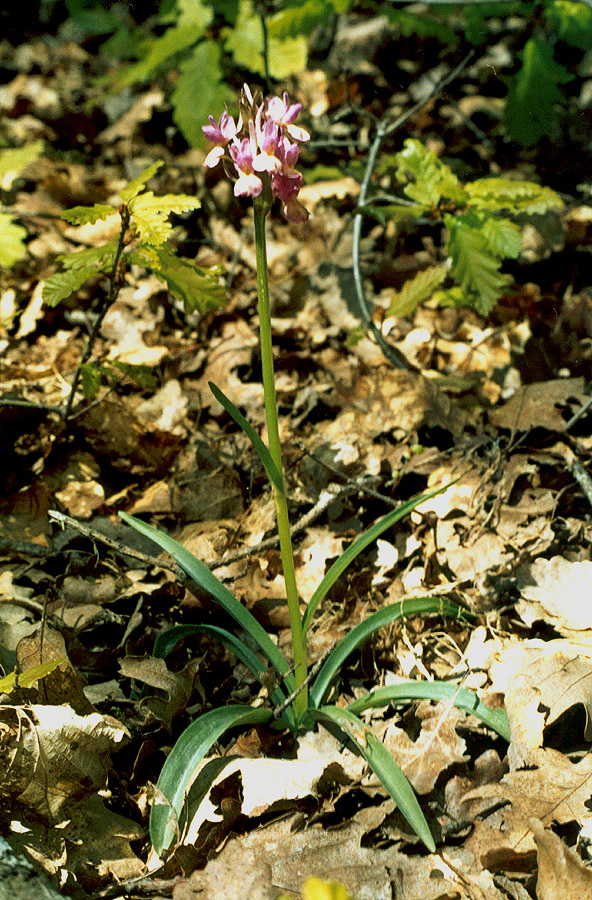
(202, 576)
(360, 544)
(167, 640)
(383, 765)
(262, 451)
(461, 697)
(415, 606)
(179, 770)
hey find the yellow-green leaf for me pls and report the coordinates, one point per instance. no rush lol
(150, 214)
(35, 673)
(88, 215)
(12, 241)
(416, 290)
(14, 159)
(134, 187)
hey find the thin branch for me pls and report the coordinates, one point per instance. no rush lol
(385, 128)
(114, 287)
(121, 548)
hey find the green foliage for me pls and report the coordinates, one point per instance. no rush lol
(199, 90)
(92, 375)
(12, 235)
(14, 159)
(88, 215)
(416, 290)
(515, 196)
(572, 22)
(530, 109)
(287, 54)
(77, 269)
(475, 266)
(180, 773)
(12, 240)
(300, 19)
(535, 96)
(429, 179)
(479, 238)
(146, 225)
(423, 25)
(198, 289)
(185, 43)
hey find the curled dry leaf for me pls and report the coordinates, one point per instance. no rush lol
(53, 757)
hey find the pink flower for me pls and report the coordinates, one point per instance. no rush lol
(220, 135)
(288, 154)
(286, 188)
(267, 137)
(248, 184)
(223, 132)
(283, 113)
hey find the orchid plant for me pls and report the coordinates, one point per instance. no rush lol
(259, 151)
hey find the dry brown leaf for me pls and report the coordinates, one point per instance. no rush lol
(561, 872)
(540, 404)
(53, 757)
(65, 684)
(176, 686)
(437, 747)
(557, 791)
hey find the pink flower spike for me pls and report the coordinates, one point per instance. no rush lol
(285, 186)
(288, 154)
(267, 139)
(241, 154)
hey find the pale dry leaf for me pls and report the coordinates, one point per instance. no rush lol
(437, 747)
(559, 674)
(55, 757)
(561, 873)
(556, 591)
(98, 842)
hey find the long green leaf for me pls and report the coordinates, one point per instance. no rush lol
(464, 699)
(262, 451)
(167, 640)
(383, 765)
(179, 770)
(209, 583)
(416, 606)
(360, 543)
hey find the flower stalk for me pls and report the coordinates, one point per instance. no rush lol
(261, 208)
(260, 154)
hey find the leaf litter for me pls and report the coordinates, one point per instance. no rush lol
(510, 538)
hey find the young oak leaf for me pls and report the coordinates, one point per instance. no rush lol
(150, 214)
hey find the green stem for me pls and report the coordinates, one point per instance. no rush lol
(261, 207)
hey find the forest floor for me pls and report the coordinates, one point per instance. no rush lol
(499, 405)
